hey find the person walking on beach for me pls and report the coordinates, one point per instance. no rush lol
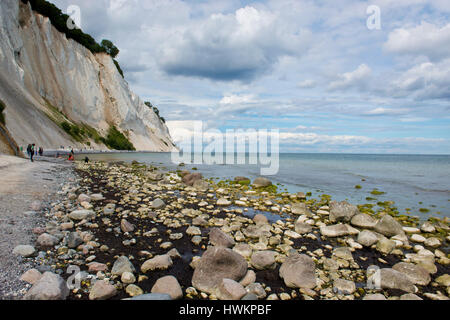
(29, 150)
(32, 152)
(41, 151)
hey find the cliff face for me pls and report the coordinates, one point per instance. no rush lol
(46, 78)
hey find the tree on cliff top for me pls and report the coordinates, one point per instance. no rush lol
(110, 48)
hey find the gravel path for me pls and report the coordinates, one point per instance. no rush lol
(26, 190)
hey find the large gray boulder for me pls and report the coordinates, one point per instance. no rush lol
(388, 226)
(49, 287)
(415, 273)
(364, 221)
(342, 211)
(219, 238)
(298, 271)
(389, 278)
(218, 263)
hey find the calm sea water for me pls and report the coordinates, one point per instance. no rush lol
(411, 181)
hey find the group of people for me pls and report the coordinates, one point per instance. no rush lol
(33, 151)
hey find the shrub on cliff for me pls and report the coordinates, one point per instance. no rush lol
(116, 140)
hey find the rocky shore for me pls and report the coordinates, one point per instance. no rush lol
(131, 231)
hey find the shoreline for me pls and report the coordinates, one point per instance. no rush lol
(155, 219)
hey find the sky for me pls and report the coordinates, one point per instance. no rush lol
(332, 76)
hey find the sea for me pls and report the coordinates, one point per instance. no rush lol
(419, 185)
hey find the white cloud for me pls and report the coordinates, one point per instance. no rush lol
(356, 78)
(236, 46)
(425, 39)
(306, 84)
(237, 99)
(427, 80)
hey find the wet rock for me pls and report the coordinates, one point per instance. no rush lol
(343, 286)
(74, 240)
(257, 289)
(300, 209)
(190, 178)
(160, 262)
(24, 250)
(134, 290)
(82, 214)
(125, 226)
(392, 279)
(385, 246)
(367, 238)
(364, 221)
(249, 278)
(216, 264)
(302, 228)
(257, 231)
(262, 260)
(342, 211)
(388, 226)
(219, 238)
(49, 287)
(109, 209)
(168, 285)
(418, 238)
(243, 249)
(338, 230)
(47, 240)
(432, 242)
(97, 197)
(158, 204)
(96, 267)
(83, 198)
(260, 219)
(121, 265)
(375, 296)
(298, 271)
(128, 278)
(201, 185)
(229, 289)
(415, 273)
(443, 280)
(261, 182)
(427, 227)
(410, 296)
(31, 276)
(193, 231)
(223, 202)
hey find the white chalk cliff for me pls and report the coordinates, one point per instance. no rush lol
(45, 76)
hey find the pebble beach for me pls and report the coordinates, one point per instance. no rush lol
(137, 231)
